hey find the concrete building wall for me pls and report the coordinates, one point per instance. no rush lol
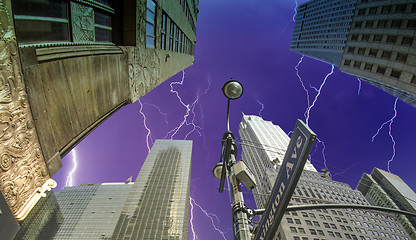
(381, 47)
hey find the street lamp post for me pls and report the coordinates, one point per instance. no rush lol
(240, 213)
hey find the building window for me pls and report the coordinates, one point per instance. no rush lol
(302, 230)
(361, 51)
(386, 9)
(407, 41)
(401, 8)
(320, 232)
(377, 38)
(150, 23)
(368, 67)
(369, 24)
(357, 64)
(365, 37)
(331, 234)
(372, 52)
(401, 57)
(338, 235)
(396, 23)
(361, 12)
(163, 32)
(289, 220)
(411, 24)
(171, 32)
(181, 49)
(395, 73)
(354, 37)
(391, 39)
(177, 39)
(308, 222)
(373, 10)
(382, 23)
(293, 230)
(313, 232)
(350, 50)
(297, 221)
(296, 238)
(381, 69)
(357, 24)
(48, 23)
(386, 55)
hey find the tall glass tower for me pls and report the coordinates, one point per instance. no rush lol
(158, 204)
(155, 206)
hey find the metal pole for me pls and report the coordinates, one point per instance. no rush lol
(241, 225)
(228, 115)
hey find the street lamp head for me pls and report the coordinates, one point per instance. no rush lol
(232, 89)
(216, 171)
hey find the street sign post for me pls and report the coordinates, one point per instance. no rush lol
(295, 158)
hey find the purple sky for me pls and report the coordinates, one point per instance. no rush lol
(249, 41)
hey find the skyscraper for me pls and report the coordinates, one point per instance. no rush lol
(381, 49)
(371, 40)
(91, 211)
(343, 223)
(263, 145)
(321, 29)
(385, 189)
(155, 206)
(158, 204)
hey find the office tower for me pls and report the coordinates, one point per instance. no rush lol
(385, 189)
(326, 223)
(321, 29)
(264, 146)
(155, 206)
(379, 48)
(158, 204)
(67, 66)
(91, 211)
(43, 221)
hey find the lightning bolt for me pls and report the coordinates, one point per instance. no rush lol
(211, 216)
(308, 110)
(295, 10)
(343, 171)
(74, 167)
(389, 122)
(311, 105)
(160, 111)
(148, 136)
(262, 107)
(359, 86)
(190, 111)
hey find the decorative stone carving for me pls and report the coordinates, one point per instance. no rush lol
(83, 26)
(23, 173)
